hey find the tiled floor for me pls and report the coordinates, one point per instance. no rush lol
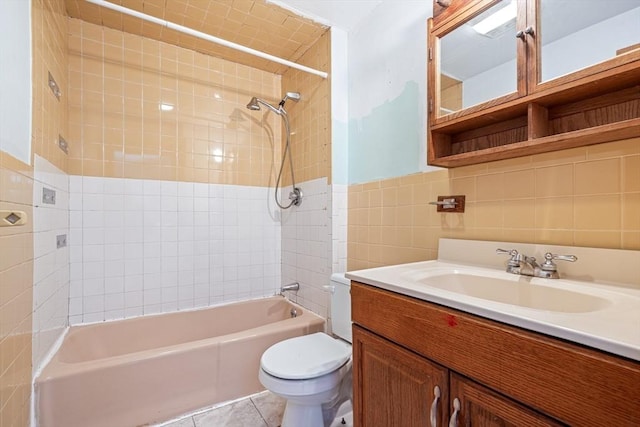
(259, 410)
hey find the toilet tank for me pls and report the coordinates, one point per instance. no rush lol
(341, 306)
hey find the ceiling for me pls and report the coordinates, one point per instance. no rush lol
(256, 24)
(343, 14)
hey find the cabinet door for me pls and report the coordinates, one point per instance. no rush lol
(394, 387)
(574, 39)
(476, 60)
(480, 407)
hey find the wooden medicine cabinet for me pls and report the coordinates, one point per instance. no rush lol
(510, 78)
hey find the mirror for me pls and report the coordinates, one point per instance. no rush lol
(575, 34)
(478, 59)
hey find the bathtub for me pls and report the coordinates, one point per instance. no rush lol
(149, 369)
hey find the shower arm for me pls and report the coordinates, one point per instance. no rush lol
(279, 111)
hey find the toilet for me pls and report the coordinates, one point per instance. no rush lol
(313, 372)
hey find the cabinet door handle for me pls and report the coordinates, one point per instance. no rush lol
(521, 34)
(434, 407)
(453, 421)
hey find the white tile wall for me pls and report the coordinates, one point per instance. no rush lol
(307, 245)
(51, 265)
(141, 246)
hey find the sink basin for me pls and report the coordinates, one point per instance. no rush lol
(515, 292)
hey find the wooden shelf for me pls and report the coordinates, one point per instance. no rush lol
(600, 111)
(594, 135)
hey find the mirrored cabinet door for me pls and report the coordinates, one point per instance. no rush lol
(574, 35)
(478, 59)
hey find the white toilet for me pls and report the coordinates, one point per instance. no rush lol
(313, 372)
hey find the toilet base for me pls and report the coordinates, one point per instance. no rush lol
(296, 415)
(304, 413)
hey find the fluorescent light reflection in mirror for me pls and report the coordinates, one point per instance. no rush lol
(497, 19)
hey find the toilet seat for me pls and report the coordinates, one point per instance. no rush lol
(305, 357)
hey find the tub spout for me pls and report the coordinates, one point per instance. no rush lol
(295, 286)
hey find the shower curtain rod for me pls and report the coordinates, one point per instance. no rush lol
(205, 36)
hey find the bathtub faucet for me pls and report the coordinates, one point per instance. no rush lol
(295, 286)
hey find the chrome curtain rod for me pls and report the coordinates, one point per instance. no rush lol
(205, 36)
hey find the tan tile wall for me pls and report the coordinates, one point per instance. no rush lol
(587, 196)
(117, 83)
(311, 117)
(16, 294)
(49, 32)
(49, 44)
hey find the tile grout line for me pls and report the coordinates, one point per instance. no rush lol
(266, 423)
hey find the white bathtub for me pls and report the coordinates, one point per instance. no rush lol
(149, 369)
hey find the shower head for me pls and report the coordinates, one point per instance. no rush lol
(253, 104)
(290, 95)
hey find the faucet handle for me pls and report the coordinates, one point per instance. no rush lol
(514, 261)
(549, 265)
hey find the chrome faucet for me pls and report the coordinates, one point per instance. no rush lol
(528, 266)
(295, 286)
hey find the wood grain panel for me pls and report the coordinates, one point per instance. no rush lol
(481, 407)
(458, 10)
(538, 124)
(574, 384)
(609, 99)
(595, 117)
(395, 387)
(510, 136)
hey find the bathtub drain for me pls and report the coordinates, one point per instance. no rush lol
(294, 312)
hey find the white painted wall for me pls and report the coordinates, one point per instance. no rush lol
(339, 107)
(387, 91)
(15, 75)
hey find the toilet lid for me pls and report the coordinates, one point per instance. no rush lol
(305, 357)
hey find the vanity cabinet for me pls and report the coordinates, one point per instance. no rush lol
(396, 387)
(545, 76)
(403, 348)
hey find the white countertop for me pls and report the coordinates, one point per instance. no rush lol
(611, 325)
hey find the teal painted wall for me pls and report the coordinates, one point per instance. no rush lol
(340, 152)
(386, 143)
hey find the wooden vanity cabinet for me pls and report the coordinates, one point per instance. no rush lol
(396, 387)
(538, 111)
(501, 375)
